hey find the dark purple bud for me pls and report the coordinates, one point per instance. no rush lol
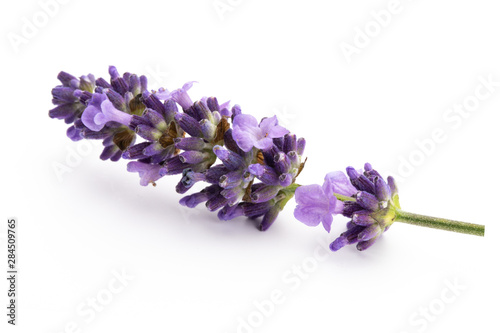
(382, 190)
(216, 202)
(269, 218)
(350, 208)
(109, 152)
(202, 111)
(136, 151)
(193, 200)
(231, 179)
(153, 149)
(212, 104)
(63, 93)
(230, 212)
(230, 143)
(170, 109)
(264, 193)
(235, 110)
(155, 118)
(362, 217)
(82, 95)
(230, 159)
(74, 134)
(352, 173)
(208, 129)
(144, 82)
(392, 185)
(254, 210)
(113, 72)
(190, 143)
(152, 102)
(367, 201)
(282, 163)
(62, 111)
(189, 124)
(361, 246)
(352, 234)
(173, 166)
(301, 145)
(193, 157)
(119, 85)
(290, 143)
(294, 158)
(350, 225)
(264, 173)
(279, 142)
(285, 179)
(232, 194)
(116, 99)
(136, 121)
(214, 174)
(134, 85)
(369, 232)
(339, 243)
(65, 78)
(100, 82)
(148, 132)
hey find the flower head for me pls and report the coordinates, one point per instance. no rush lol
(101, 111)
(248, 133)
(372, 210)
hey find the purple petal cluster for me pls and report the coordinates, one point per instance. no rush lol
(363, 196)
(99, 109)
(250, 169)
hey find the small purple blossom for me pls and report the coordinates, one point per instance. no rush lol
(317, 204)
(248, 133)
(101, 111)
(149, 173)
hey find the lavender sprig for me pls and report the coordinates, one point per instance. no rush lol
(250, 166)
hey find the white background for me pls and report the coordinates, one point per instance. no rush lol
(193, 273)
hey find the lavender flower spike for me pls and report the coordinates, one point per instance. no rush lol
(250, 169)
(248, 134)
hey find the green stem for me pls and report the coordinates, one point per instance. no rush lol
(439, 223)
(429, 221)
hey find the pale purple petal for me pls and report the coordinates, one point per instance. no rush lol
(340, 184)
(245, 121)
(264, 143)
(88, 117)
(243, 139)
(149, 173)
(312, 205)
(277, 132)
(267, 124)
(113, 114)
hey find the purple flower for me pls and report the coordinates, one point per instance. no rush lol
(372, 210)
(149, 173)
(100, 111)
(317, 204)
(340, 184)
(181, 96)
(248, 133)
